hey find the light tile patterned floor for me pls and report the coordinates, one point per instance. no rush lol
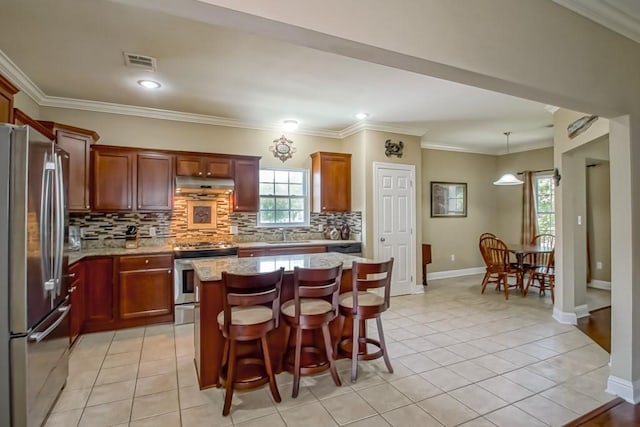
(460, 358)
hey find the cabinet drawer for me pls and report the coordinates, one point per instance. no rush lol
(144, 262)
(244, 253)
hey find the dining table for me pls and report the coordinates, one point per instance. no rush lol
(521, 250)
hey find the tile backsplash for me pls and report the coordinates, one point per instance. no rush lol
(108, 229)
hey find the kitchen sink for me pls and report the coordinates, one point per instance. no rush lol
(288, 242)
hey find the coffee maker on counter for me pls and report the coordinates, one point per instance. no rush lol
(131, 237)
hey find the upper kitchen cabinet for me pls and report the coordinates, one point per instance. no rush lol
(113, 184)
(331, 178)
(77, 142)
(246, 177)
(21, 118)
(155, 181)
(204, 166)
(7, 91)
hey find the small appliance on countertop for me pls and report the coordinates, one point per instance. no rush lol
(131, 237)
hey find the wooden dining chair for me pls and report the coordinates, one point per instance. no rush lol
(360, 305)
(538, 260)
(251, 309)
(314, 305)
(545, 275)
(490, 276)
(498, 264)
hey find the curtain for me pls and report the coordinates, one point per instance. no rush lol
(529, 217)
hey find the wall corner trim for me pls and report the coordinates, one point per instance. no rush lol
(628, 390)
(564, 317)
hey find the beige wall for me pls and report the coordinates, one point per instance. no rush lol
(144, 132)
(459, 236)
(509, 198)
(23, 102)
(599, 219)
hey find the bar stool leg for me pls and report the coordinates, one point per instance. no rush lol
(231, 367)
(267, 364)
(383, 344)
(287, 334)
(354, 349)
(296, 368)
(340, 332)
(330, 355)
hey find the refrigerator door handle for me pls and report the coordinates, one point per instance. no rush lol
(59, 200)
(39, 336)
(45, 238)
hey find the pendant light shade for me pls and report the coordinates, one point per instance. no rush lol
(508, 178)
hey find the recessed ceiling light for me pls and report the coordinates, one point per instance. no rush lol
(362, 116)
(290, 125)
(149, 84)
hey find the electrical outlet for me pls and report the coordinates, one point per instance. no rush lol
(152, 231)
(599, 265)
(83, 233)
(320, 227)
(453, 257)
(233, 229)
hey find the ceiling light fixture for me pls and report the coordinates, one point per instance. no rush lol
(508, 178)
(362, 116)
(290, 125)
(149, 84)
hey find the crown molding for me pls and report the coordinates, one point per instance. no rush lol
(606, 14)
(15, 75)
(380, 127)
(535, 145)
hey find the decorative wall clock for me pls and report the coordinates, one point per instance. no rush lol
(282, 148)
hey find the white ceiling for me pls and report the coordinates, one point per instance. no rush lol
(73, 50)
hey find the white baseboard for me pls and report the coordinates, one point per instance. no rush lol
(565, 317)
(418, 289)
(582, 311)
(628, 390)
(455, 273)
(599, 284)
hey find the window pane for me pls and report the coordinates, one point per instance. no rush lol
(297, 204)
(296, 190)
(267, 216)
(545, 199)
(282, 176)
(267, 203)
(266, 175)
(282, 216)
(282, 203)
(266, 189)
(282, 189)
(296, 176)
(297, 216)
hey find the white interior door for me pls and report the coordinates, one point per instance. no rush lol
(394, 219)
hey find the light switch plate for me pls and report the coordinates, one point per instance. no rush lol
(152, 231)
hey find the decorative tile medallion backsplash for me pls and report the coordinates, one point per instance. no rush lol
(108, 229)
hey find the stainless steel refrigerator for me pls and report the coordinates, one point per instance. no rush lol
(34, 302)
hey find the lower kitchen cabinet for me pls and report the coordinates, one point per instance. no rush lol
(280, 250)
(127, 291)
(77, 296)
(145, 286)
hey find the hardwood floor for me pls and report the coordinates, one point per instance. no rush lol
(598, 327)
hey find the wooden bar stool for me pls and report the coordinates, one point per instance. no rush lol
(360, 305)
(251, 308)
(314, 305)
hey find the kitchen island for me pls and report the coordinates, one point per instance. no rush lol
(208, 339)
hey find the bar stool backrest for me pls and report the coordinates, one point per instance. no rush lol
(371, 275)
(316, 283)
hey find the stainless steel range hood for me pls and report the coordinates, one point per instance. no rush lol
(192, 185)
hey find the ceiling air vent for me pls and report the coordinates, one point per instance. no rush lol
(140, 61)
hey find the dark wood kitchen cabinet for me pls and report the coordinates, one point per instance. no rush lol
(98, 293)
(77, 142)
(77, 297)
(7, 91)
(155, 181)
(145, 287)
(113, 172)
(204, 166)
(246, 177)
(331, 182)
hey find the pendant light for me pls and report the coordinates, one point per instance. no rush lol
(508, 178)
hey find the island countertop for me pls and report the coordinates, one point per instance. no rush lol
(211, 269)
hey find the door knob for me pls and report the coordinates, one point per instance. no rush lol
(382, 239)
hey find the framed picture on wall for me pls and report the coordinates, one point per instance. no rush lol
(448, 199)
(201, 214)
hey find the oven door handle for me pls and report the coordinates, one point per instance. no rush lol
(39, 336)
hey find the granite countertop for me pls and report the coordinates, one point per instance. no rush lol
(75, 256)
(276, 243)
(211, 269)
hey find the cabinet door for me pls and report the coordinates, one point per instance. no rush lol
(113, 183)
(332, 182)
(218, 167)
(245, 194)
(79, 147)
(146, 293)
(7, 90)
(155, 182)
(77, 296)
(189, 166)
(99, 301)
